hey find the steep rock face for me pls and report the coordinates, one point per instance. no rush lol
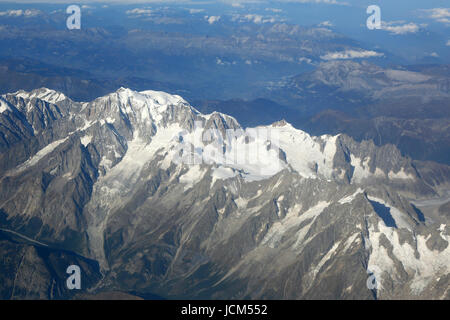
(176, 203)
(34, 271)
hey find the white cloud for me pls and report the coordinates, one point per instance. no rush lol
(326, 24)
(305, 60)
(255, 18)
(137, 12)
(335, 2)
(439, 14)
(20, 13)
(404, 28)
(193, 11)
(212, 19)
(275, 10)
(351, 54)
(224, 63)
(448, 43)
(234, 3)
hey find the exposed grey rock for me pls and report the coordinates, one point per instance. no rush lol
(100, 179)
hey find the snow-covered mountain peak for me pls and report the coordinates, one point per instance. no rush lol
(144, 110)
(138, 99)
(281, 123)
(45, 94)
(163, 98)
(217, 138)
(157, 98)
(143, 180)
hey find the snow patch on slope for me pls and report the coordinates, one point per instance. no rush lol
(304, 153)
(352, 197)
(192, 176)
(4, 106)
(402, 175)
(48, 95)
(37, 157)
(223, 173)
(86, 140)
(292, 220)
(324, 259)
(424, 269)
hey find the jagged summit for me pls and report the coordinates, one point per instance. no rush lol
(158, 97)
(150, 114)
(281, 123)
(48, 95)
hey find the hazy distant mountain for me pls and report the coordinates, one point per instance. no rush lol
(231, 60)
(352, 86)
(407, 107)
(29, 74)
(179, 204)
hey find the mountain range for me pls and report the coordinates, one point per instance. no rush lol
(154, 199)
